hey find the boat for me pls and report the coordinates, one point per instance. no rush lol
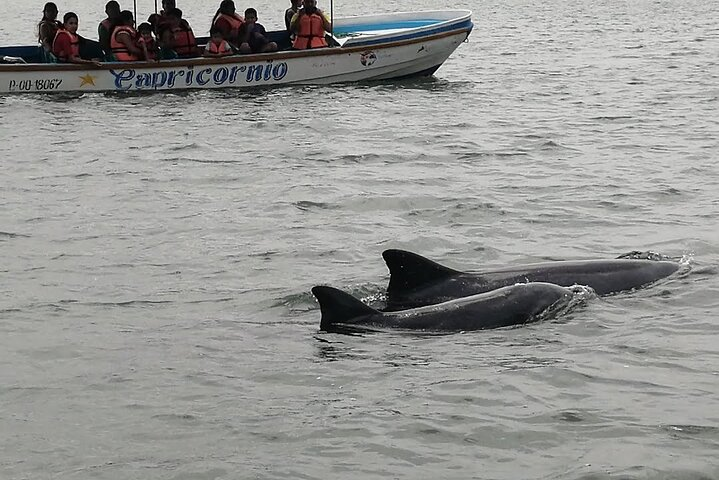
(363, 48)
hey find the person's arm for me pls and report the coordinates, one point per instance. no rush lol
(145, 53)
(326, 24)
(245, 32)
(100, 34)
(45, 33)
(195, 48)
(125, 39)
(259, 31)
(294, 22)
(288, 18)
(75, 59)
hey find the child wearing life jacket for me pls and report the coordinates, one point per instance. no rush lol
(253, 36)
(217, 46)
(146, 42)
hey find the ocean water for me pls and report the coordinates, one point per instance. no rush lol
(158, 252)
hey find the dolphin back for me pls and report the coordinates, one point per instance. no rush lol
(409, 271)
(339, 307)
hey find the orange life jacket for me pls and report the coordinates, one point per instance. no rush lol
(311, 32)
(120, 51)
(185, 43)
(74, 43)
(222, 48)
(235, 22)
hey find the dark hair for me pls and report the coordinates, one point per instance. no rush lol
(251, 11)
(125, 18)
(112, 4)
(174, 12)
(49, 7)
(226, 3)
(214, 29)
(68, 16)
(145, 28)
(170, 3)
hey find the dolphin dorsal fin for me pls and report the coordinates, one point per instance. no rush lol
(409, 271)
(339, 307)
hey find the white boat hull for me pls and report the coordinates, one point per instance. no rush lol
(384, 59)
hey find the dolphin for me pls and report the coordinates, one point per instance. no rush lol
(511, 305)
(416, 281)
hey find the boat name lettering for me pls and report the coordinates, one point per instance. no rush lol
(31, 85)
(130, 79)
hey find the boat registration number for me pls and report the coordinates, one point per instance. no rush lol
(32, 85)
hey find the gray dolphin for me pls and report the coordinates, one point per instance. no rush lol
(511, 305)
(416, 281)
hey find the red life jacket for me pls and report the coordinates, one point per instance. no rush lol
(185, 43)
(222, 48)
(151, 47)
(120, 51)
(311, 32)
(74, 44)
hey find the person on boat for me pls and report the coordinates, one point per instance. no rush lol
(48, 27)
(112, 9)
(228, 21)
(289, 13)
(146, 43)
(161, 20)
(217, 46)
(166, 41)
(253, 36)
(123, 41)
(310, 25)
(66, 44)
(184, 42)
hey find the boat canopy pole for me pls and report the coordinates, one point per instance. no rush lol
(134, 11)
(155, 6)
(332, 16)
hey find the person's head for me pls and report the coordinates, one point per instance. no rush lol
(174, 15)
(310, 6)
(216, 35)
(227, 7)
(70, 22)
(250, 15)
(296, 4)
(112, 9)
(125, 18)
(49, 11)
(145, 29)
(168, 4)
